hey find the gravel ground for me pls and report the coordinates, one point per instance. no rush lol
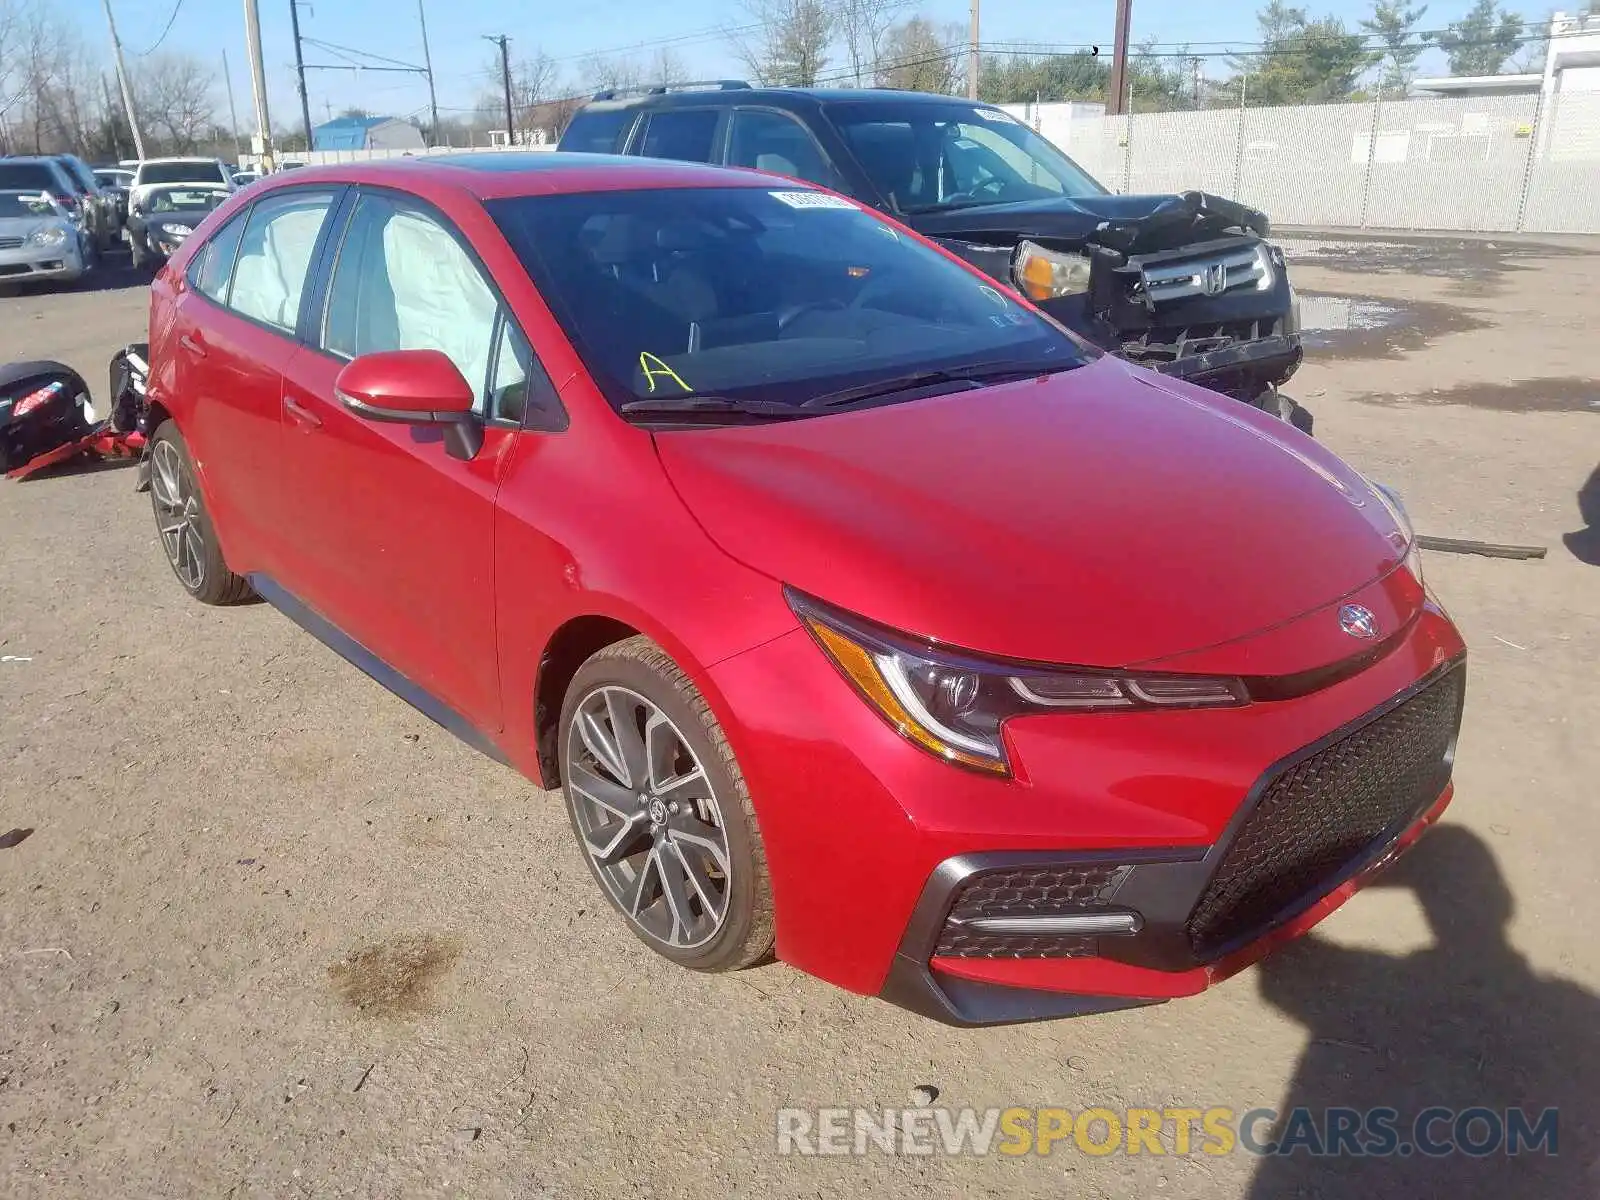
(276, 935)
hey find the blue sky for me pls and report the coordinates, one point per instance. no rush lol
(461, 58)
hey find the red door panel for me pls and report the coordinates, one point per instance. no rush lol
(228, 373)
(394, 539)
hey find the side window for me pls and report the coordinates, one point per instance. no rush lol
(682, 133)
(403, 282)
(596, 132)
(770, 141)
(212, 268)
(508, 386)
(274, 254)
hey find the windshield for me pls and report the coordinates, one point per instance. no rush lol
(197, 199)
(181, 172)
(33, 177)
(923, 157)
(25, 204)
(772, 297)
(118, 179)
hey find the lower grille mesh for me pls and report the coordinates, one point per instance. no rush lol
(1027, 892)
(1327, 811)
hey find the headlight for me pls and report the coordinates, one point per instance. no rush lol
(1045, 274)
(178, 232)
(1390, 500)
(953, 705)
(52, 235)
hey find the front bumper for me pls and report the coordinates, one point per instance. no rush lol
(60, 263)
(870, 841)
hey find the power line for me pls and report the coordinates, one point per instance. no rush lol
(176, 9)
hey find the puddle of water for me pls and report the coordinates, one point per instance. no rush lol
(1463, 259)
(1569, 394)
(1346, 327)
(1323, 316)
(394, 978)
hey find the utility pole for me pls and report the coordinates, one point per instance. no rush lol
(1196, 64)
(503, 42)
(258, 80)
(972, 54)
(427, 66)
(1117, 88)
(233, 113)
(111, 118)
(300, 69)
(122, 82)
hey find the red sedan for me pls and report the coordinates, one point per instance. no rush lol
(861, 614)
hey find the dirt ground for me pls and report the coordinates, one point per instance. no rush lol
(276, 935)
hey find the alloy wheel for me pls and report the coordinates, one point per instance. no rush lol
(648, 817)
(178, 515)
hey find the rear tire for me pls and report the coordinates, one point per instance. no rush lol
(184, 526)
(661, 810)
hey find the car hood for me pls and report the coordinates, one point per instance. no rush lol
(22, 227)
(1125, 223)
(1100, 517)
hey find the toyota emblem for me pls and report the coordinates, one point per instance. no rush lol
(1358, 622)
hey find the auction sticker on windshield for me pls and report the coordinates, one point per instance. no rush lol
(811, 200)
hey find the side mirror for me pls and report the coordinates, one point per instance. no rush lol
(413, 387)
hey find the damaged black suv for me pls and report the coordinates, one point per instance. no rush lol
(1185, 284)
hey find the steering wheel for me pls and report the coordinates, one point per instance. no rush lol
(989, 189)
(874, 284)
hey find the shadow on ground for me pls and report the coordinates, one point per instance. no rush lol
(1462, 1024)
(1585, 543)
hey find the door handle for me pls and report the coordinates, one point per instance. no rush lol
(302, 415)
(193, 345)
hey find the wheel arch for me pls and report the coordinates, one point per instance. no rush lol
(572, 643)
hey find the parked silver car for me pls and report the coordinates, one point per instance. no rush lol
(39, 240)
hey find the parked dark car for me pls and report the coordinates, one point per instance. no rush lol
(100, 211)
(1185, 284)
(164, 215)
(116, 182)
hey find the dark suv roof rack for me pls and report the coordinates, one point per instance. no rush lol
(661, 89)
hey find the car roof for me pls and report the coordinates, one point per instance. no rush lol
(180, 158)
(777, 97)
(499, 174)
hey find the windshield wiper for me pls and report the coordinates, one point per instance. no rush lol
(680, 405)
(977, 375)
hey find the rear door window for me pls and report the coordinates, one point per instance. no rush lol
(274, 255)
(212, 268)
(687, 134)
(597, 132)
(773, 141)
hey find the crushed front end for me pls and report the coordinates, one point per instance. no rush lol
(1189, 288)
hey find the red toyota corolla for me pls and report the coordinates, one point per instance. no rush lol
(860, 613)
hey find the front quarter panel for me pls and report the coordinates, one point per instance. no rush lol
(588, 525)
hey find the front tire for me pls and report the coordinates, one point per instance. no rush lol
(661, 810)
(184, 526)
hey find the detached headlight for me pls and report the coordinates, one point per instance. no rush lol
(52, 235)
(1045, 274)
(1390, 499)
(953, 705)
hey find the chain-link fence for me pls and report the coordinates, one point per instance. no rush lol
(1489, 164)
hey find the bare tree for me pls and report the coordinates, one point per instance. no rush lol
(863, 25)
(786, 43)
(174, 93)
(533, 79)
(615, 72)
(667, 68)
(920, 56)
